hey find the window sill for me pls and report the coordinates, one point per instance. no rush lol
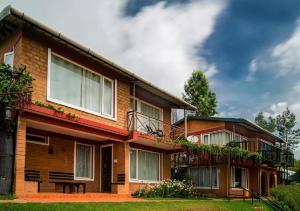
(239, 189)
(207, 188)
(81, 109)
(83, 179)
(144, 181)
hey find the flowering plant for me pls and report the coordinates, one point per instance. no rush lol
(167, 189)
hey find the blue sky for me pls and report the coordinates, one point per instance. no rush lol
(249, 49)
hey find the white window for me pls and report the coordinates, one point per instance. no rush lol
(216, 138)
(144, 165)
(239, 178)
(205, 177)
(148, 117)
(74, 86)
(9, 58)
(37, 139)
(84, 161)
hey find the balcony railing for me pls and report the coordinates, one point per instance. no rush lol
(147, 125)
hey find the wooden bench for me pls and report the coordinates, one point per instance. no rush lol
(66, 179)
(34, 176)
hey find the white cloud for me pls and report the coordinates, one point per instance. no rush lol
(160, 43)
(252, 70)
(287, 54)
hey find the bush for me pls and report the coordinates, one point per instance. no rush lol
(287, 196)
(167, 189)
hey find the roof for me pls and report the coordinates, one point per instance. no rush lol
(240, 121)
(11, 17)
(295, 177)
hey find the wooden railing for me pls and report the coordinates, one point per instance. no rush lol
(148, 125)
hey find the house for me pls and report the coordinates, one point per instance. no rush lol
(92, 126)
(232, 176)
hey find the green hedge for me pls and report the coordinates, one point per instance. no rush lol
(287, 196)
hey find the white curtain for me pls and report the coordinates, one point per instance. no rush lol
(202, 177)
(219, 138)
(133, 164)
(83, 161)
(91, 98)
(65, 81)
(148, 166)
(153, 113)
(107, 97)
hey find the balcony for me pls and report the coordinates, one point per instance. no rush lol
(154, 127)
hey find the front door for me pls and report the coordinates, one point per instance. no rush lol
(106, 167)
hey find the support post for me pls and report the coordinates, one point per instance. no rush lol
(185, 123)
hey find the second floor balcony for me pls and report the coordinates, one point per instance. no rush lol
(147, 125)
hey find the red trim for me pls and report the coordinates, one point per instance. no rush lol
(78, 120)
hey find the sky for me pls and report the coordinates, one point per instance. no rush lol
(248, 49)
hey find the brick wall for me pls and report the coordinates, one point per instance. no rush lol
(61, 160)
(35, 57)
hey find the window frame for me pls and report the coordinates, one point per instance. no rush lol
(137, 180)
(218, 179)
(80, 108)
(138, 107)
(92, 160)
(39, 136)
(242, 176)
(13, 57)
(217, 131)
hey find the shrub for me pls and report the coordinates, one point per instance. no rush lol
(167, 189)
(287, 196)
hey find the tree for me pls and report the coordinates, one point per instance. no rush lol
(199, 94)
(285, 126)
(267, 124)
(296, 166)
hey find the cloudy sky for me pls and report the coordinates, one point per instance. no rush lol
(249, 49)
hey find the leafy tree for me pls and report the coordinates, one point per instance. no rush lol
(15, 86)
(267, 124)
(285, 126)
(199, 94)
(296, 166)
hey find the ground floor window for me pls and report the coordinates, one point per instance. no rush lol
(239, 178)
(84, 161)
(144, 165)
(205, 177)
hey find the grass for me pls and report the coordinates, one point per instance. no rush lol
(7, 197)
(188, 205)
(287, 196)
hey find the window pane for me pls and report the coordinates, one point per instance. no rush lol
(107, 97)
(148, 164)
(153, 113)
(91, 97)
(237, 177)
(201, 176)
(133, 164)
(9, 58)
(65, 81)
(83, 161)
(205, 139)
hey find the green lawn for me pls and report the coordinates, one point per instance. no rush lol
(7, 197)
(189, 205)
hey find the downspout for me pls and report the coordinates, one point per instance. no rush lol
(134, 108)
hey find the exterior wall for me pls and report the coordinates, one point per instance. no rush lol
(196, 126)
(61, 160)
(35, 57)
(225, 183)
